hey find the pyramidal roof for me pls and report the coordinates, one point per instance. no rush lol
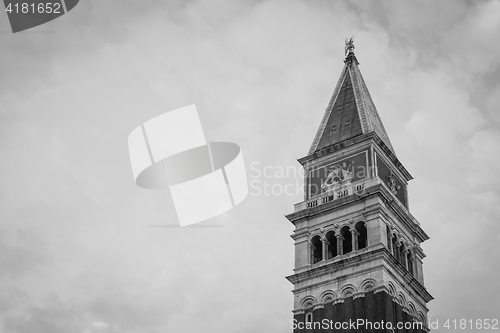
(351, 110)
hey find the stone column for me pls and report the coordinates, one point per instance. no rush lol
(354, 235)
(339, 245)
(397, 253)
(405, 257)
(324, 244)
(411, 265)
(311, 253)
(389, 242)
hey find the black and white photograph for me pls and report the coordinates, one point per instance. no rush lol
(249, 166)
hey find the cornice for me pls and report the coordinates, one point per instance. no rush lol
(377, 190)
(380, 253)
(333, 148)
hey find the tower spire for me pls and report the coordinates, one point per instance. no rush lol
(351, 111)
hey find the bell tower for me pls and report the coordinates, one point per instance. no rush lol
(358, 260)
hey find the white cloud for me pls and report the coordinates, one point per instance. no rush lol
(484, 160)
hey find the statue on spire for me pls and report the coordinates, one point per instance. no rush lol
(349, 46)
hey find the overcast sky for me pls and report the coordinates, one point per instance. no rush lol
(77, 253)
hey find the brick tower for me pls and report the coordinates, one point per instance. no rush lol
(358, 258)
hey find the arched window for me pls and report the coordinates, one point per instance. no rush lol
(328, 297)
(309, 317)
(362, 235)
(331, 241)
(346, 240)
(316, 250)
(412, 310)
(421, 318)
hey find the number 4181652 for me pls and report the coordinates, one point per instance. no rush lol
(479, 324)
(25, 8)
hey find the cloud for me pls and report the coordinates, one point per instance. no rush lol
(484, 160)
(22, 252)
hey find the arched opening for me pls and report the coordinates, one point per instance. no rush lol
(316, 250)
(402, 254)
(331, 240)
(328, 297)
(346, 240)
(362, 235)
(309, 317)
(421, 318)
(409, 260)
(412, 310)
